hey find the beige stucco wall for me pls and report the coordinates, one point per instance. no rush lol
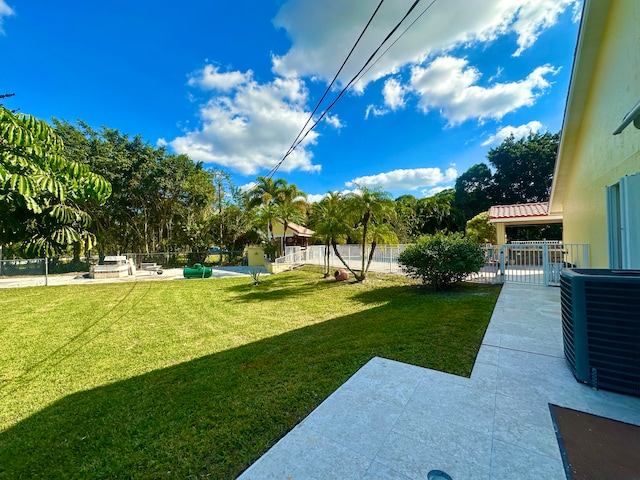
(255, 256)
(278, 228)
(600, 158)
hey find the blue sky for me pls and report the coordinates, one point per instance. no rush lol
(232, 83)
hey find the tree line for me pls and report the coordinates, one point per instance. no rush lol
(73, 187)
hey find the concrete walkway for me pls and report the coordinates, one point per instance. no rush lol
(393, 421)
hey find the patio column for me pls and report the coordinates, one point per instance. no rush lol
(501, 233)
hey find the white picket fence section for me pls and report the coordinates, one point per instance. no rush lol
(537, 262)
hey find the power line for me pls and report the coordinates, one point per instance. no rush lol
(355, 78)
(360, 73)
(399, 37)
(294, 144)
(328, 89)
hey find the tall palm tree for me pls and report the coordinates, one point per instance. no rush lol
(328, 220)
(291, 206)
(261, 200)
(379, 234)
(265, 191)
(370, 206)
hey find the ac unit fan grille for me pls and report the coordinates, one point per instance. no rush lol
(612, 311)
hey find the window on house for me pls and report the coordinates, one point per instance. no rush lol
(623, 222)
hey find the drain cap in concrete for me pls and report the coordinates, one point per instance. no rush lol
(438, 475)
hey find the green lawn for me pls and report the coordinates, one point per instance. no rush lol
(198, 378)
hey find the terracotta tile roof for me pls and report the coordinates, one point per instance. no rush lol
(540, 209)
(299, 230)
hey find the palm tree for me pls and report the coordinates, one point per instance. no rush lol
(370, 206)
(291, 206)
(379, 234)
(265, 191)
(264, 195)
(329, 222)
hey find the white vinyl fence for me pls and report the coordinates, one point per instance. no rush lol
(538, 262)
(385, 258)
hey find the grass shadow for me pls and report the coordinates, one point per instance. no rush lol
(213, 416)
(273, 288)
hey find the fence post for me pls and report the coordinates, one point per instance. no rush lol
(585, 255)
(502, 264)
(546, 273)
(46, 271)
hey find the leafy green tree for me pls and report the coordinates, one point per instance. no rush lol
(438, 213)
(473, 190)
(524, 168)
(406, 221)
(160, 201)
(480, 230)
(126, 221)
(43, 195)
(366, 207)
(199, 205)
(224, 194)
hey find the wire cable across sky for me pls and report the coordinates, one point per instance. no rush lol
(363, 71)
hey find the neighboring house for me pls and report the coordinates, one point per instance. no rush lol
(297, 235)
(596, 184)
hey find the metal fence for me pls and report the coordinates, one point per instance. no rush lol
(538, 262)
(19, 267)
(39, 269)
(184, 259)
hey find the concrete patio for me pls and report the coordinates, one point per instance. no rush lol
(393, 421)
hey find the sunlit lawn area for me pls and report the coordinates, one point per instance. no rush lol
(198, 378)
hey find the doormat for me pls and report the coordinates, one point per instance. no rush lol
(595, 447)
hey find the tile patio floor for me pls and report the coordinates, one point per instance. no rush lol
(393, 421)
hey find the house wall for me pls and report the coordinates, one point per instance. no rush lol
(600, 158)
(278, 228)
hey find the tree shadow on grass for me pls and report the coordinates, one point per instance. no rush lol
(272, 288)
(213, 416)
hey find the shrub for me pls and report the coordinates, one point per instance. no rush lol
(441, 260)
(480, 230)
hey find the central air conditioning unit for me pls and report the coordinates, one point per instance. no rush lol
(601, 327)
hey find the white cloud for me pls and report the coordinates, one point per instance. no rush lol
(314, 197)
(5, 11)
(375, 111)
(535, 17)
(393, 93)
(518, 132)
(333, 120)
(433, 191)
(497, 75)
(316, 29)
(209, 78)
(248, 186)
(250, 126)
(450, 85)
(406, 179)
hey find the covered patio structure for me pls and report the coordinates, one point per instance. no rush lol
(503, 216)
